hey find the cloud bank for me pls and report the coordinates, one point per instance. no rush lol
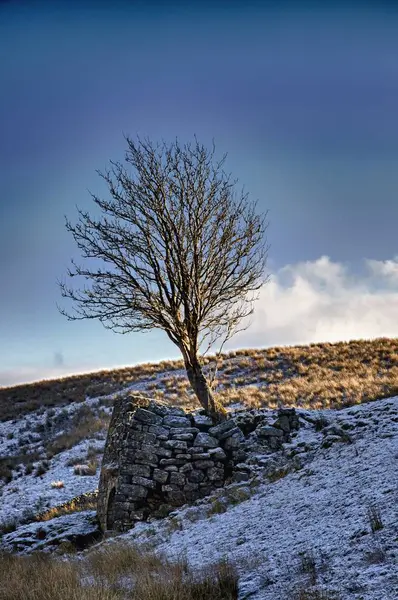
(314, 301)
(322, 301)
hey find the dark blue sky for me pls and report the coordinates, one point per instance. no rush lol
(303, 99)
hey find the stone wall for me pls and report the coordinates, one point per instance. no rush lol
(157, 457)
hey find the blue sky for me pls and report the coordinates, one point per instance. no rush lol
(304, 100)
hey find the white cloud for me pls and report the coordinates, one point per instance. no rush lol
(322, 301)
(318, 301)
(387, 270)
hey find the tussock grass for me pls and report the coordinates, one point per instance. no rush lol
(323, 375)
(86, 501)
(115, 572)
(375, 518)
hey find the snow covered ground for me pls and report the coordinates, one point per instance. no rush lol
(312, 523)
(321, 510)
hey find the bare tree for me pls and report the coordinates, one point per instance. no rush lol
(179, 250)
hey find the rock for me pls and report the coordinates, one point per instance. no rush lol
(203, 464)
(240, 476)
(144, 481)
(195, 476)
(175, 445)
(177, 479)
(222, 428)
(147, 417)
(175, 421)
(201, 456)
(185, 437)
(143, 437)
(176, 497)
(266, 432)
(202, 422)
(165, 462)
(215, 474)
(160, 476)
(205, 440)
(233, 442)
(248, 422)
(146, 457)
(282, 423)
(162, 433)
(135, 492)
(141, 470)
(78, 529)
(186, 468)
(177, 430)
(163, 452)
(217, 454)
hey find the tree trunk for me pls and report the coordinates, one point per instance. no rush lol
(203, 392)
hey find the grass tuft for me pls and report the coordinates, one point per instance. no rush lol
(114, 572)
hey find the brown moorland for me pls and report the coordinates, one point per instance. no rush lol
(321, 375)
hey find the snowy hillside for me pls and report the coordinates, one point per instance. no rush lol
(303, 521)
(313, 523)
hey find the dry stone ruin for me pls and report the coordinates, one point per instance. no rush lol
(158, 457)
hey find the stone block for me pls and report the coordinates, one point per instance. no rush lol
(176, 421)
(195, 476)
(136, 426)
(144, 481)
(239, 476)
(266, 432)
(163, 452)
(147, 458)
(178, 430)
(160, 475)
(234, 441)
(283, 423)
(219, 430)
(162, 433)
(202, 422)
(190, 486)
(203, 464)
(201, 456)
(215, 474)
(185, 437)
(176, 497)
(147, 417)
(177, 479)
(231, 432)
(140, 470)
(205, 440)
(175, 445)
(186, 468)
(170, 461)
(217, 454)
(141, 436)
(137, 515)
(134, 492)
(170, 488)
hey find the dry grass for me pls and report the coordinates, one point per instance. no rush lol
(86, 501)
(314, 376)
(116, 572)
(374, 517)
